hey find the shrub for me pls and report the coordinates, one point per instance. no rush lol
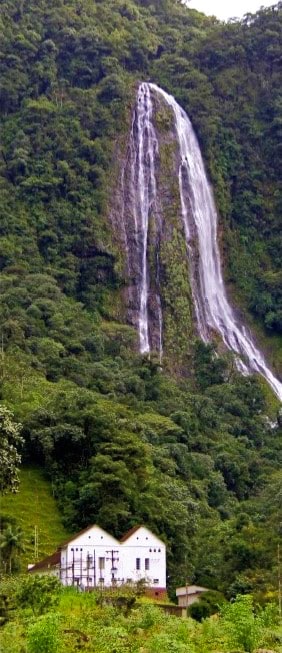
(244, 629)
(40, 593)
(43, 636)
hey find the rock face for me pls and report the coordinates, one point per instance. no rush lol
(147, 224)
(166, 221)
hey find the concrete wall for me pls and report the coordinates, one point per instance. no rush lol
(184, 601)
(176, 610)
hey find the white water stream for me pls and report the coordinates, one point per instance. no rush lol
(213, 311)
(144, 199)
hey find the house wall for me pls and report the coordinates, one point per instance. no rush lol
(145, 547)
(96, 555)
(48, 571)
(184, 600)
(176, 610)
(90, 557)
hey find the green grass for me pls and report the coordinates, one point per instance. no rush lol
(34, 505)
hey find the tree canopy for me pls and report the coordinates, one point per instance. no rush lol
(120, 438)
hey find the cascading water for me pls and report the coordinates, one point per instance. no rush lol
(146, 187)
(213, 311)
(140, 215)
(139, 209)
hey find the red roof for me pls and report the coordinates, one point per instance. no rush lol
(130, 532)
(73, 537)
(84, 530)
(54, 559)
(49, 561)
(133, 530)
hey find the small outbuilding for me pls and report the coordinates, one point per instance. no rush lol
(189, 594)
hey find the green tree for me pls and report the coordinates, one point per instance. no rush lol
(11, 546)
(40, 593)
(209, 603)
(10, 443)
(244, 628)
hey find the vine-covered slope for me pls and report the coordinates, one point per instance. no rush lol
(122, 440)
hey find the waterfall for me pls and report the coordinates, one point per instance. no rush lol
(145, 164)
(212, 309)
(140, 220)
(138, 212)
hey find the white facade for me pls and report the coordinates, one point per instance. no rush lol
(144, 556)
(89, 559)
(94, 558)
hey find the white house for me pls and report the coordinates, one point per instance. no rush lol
(94, 558)
(143, 555)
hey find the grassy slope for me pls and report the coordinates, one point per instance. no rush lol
(33, 506)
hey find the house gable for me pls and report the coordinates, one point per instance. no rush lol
(141, 536)
(93, 536)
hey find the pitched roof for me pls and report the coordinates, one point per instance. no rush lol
(54, 559)
(129, 533)
(49, 561)
(133, 530)
(73, 537)
(84, 530)
(190, 589)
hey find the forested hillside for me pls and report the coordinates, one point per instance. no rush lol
(196, 457)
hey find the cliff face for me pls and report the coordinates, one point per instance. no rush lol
(146, 220)
(179, 329)
(167, 221)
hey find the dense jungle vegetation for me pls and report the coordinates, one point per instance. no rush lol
(197, 459)
(41, 617)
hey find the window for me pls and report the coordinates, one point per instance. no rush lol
(147, 564)
(156, 580)
(138, 563)
(101, 563)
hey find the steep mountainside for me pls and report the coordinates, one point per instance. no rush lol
(146, 231)
(122, 439)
